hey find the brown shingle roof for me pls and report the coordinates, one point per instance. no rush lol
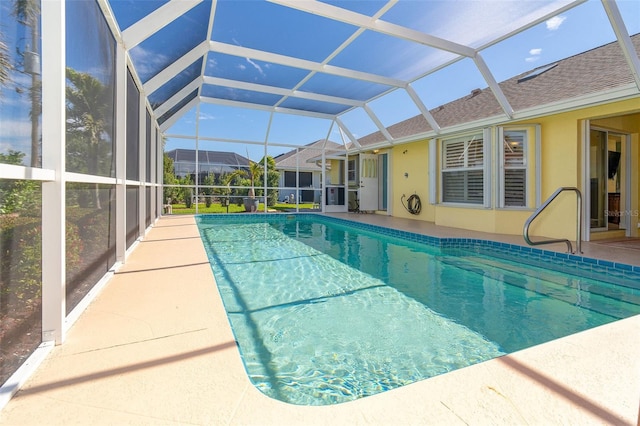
(597, 70)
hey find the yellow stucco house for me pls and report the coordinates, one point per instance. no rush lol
(576, 124)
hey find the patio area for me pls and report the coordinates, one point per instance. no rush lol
(155, 347)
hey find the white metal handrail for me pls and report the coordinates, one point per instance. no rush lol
(525, 231)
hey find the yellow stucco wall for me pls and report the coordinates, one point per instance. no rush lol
(562, 161)
(561, 165)
(336, 166)
(413, 159)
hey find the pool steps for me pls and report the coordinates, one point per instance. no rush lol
(599, 269)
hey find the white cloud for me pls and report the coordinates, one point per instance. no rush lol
(15, 129)
(555, 22)
(256, 66)
(147, 62)
(205, 116)
(5, 146)
(534, 55)
(16, 135)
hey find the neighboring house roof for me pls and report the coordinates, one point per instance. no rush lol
(597, 70)
(299, 158)
(209, 157)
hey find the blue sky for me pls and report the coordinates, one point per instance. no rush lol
(577, 30)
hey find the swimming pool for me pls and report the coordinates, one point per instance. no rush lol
(326, 311)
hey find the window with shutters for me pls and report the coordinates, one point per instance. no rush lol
(463, 170)
(514, 168)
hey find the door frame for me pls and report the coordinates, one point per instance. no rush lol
(368, 181)
(586, 181)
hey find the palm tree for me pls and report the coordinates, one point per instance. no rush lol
(86, 116)
(255, 173)
(5, 63)
(28, 12)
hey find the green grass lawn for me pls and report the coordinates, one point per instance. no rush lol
(233, 208)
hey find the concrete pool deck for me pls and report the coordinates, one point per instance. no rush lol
(155, 347)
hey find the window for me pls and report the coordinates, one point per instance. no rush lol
(463, 170)
(305, 179)
(90, 91)
(133, 129)
(351, 171)
(514, 168)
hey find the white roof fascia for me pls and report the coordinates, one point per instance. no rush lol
(335, 154)
(493, 85)
(423, 109)
(332, 156)
(156, 20)
(628, 91)
(377, 145)
(172, 120)
(275, 58)
(175, 99)
(378, 123)
(364, 21)
(175, 68)
(345, 130)
(624, 40)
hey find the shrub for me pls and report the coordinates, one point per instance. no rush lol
(187, 199)
(21, 262)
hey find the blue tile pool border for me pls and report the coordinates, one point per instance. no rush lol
(604, 270)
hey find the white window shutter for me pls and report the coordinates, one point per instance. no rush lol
(463, 171)
(486, 188)
(513, 146)
(432, 171)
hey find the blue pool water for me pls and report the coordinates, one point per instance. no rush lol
(324, 312)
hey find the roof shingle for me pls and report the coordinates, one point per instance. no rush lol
(597, 70)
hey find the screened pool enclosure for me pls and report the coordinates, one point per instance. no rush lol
(93, 93)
